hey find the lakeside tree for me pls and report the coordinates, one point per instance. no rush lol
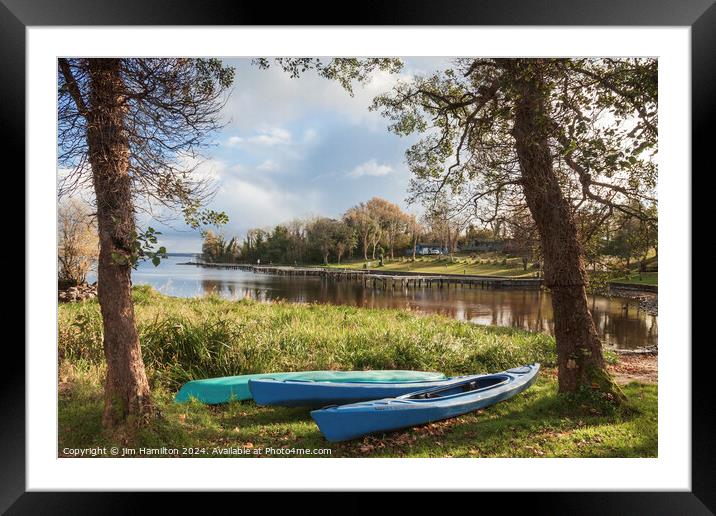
(345, 239)
(473, 233)
(553, 133)
(415, 230)
(321, 235)
(365, 226)
(253, 244)
(77, 242)
(131, 129)
(390, 218)
(279, 245)
(524, 238)
(300, 240)
(629, 238)
(446, 224)
(216, 249)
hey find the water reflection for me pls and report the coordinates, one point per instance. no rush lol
(620, 322)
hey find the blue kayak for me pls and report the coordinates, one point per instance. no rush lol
(341, 423)
(291, 392)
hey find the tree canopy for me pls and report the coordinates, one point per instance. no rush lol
(601, 117)
(171, 108)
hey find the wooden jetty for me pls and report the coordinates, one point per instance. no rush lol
(385, 279)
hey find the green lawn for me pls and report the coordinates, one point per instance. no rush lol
(486, 266)
(647, 278)
(185, 339)
(536, 423)
(489, 265)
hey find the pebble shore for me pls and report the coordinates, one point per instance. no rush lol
(78, 293)
(648, 301)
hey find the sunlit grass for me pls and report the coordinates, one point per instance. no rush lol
(492, 264)
(536, 423)
(488, 265)
(645, 278)
(185, 339)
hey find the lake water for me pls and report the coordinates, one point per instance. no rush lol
(620, 322)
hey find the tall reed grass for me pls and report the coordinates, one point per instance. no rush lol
(185, 339)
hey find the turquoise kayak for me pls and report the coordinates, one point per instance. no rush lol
(221, 390)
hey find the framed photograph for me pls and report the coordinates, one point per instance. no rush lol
(414, 250)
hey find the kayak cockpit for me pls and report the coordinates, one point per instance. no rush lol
(473, 385)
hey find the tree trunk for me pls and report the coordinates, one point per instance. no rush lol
(579, 351)
(126, 387)
(365, 247)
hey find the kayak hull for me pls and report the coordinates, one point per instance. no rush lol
(301, 393)
(342, 423)
(224, 389)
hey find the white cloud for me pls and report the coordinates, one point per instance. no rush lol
(269, 166)
(254, 203)
(202, 168)
(271, 97)
(370, 168)
(271, 136)
(234, 141)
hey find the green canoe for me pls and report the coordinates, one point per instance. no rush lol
(221, 390)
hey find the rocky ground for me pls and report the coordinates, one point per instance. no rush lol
(78, 293)
(648, 301)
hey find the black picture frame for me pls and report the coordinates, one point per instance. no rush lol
(700, 15)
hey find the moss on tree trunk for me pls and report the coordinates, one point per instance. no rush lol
(127, 394)
(579, 350)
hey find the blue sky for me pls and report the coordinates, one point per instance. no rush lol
(299, 147)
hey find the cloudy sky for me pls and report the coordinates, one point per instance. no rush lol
(299, 147)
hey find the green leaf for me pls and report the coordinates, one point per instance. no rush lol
(119, 258)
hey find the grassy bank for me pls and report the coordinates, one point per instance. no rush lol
(184, 339)
(488, 265)
(645, 278)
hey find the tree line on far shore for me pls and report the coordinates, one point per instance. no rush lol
(371, 230)
(379, 229)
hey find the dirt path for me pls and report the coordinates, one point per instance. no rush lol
(636, 368)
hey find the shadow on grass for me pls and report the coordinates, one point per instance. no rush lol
(536, 423)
